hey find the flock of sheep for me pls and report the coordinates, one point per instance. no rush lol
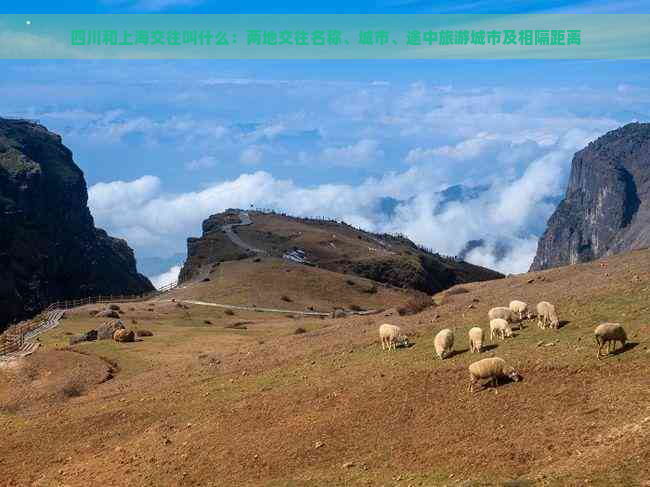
(493, 369)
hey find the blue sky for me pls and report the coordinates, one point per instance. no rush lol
(164, 144)
(333, 6)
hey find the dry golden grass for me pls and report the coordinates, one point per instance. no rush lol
(205, 404)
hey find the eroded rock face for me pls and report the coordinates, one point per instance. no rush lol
(606, 209)
(49, 247)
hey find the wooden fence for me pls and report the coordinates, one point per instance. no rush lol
(13, 338)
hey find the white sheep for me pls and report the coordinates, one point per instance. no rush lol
(444, 343)
(503, 313)
(475, 339)
(390, 336)
(546, 315)
(500, 328)
(608, 334)
(520, 308)
(493, 368)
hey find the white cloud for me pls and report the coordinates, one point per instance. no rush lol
(360, 153)
(251, 155)
(166, 277)
(205, 162)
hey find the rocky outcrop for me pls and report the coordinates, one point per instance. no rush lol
(606, 209)
(49, 247)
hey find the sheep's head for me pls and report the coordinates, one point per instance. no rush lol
(511, 373)
(403, 340)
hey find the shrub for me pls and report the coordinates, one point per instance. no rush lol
(415, 305)
(207, 322)
(371, 290)
(299, 330)
(285, 298)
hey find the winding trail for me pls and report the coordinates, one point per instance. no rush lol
(255, 308)
(244, 219)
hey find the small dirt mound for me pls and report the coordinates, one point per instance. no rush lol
(48, 377)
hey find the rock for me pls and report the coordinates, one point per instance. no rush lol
(540, 343)
(107, 330)
(50, 248)
(89, 336)
(530, 281)
(348, 465)
(108, 313)
(124, 336)
(339, 313)
(319, 444)
(605, 210)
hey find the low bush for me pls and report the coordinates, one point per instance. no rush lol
(415, 305)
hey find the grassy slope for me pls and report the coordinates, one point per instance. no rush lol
(289, 410)
(266, 282)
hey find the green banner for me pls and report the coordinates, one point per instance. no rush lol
(159, 36)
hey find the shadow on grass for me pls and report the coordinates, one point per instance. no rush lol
(562, 324)
(487, 348)
(628, 346)
(457, 352)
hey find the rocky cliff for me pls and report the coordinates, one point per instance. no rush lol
(606, 209)
(49, 246)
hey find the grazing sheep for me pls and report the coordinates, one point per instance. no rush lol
(546, 315)
(444, 343)
(520, 308)
(608, 334)
(390, 335)
(503, 313)
(493, 368)
(475, 339)
(500, 328)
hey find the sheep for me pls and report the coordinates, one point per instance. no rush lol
(501, 312)
(500, 328)
(493, 368)
(546, 315)
(443, 343)
(390, 335)
(520, 308)
(608, 334)
(475, 339)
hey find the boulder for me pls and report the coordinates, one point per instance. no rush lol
(108, 313)
(107, 330)
(124, 336)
